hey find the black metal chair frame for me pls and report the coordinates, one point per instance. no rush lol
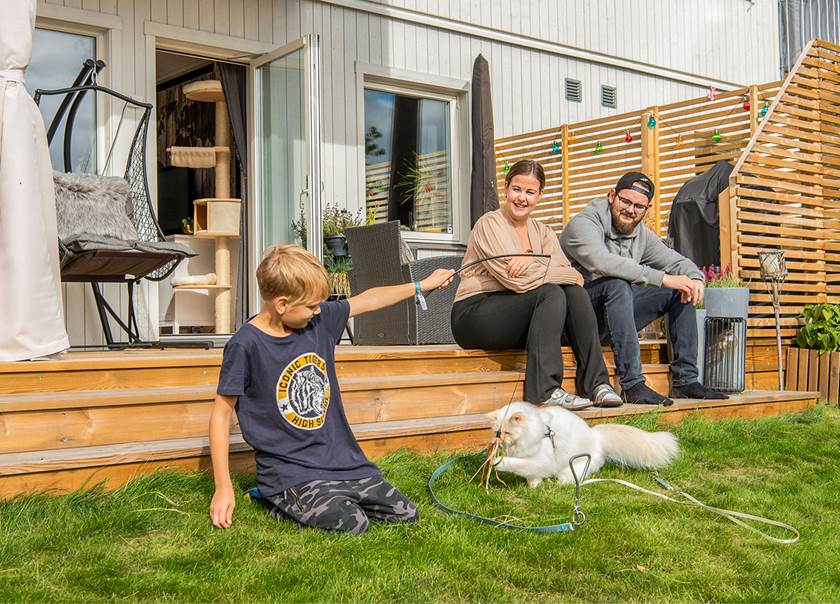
(143, 213)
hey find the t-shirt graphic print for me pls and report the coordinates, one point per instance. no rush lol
(303, 392)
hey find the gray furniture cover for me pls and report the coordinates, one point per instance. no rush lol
(379, 259)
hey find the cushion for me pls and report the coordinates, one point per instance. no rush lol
(93, 205)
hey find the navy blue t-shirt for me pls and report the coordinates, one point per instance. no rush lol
(289, 406)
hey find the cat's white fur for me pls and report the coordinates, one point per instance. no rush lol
(530, 453)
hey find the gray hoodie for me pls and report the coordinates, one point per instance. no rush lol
(597, 250)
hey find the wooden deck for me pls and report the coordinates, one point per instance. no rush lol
(112, 415)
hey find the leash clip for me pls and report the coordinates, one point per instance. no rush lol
(578, 516)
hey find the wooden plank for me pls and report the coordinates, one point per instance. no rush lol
(834, 378)
(802, 376)
(825, 359)
(728, 235)
(813, 369)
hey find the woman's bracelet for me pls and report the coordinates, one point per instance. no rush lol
(418, 293)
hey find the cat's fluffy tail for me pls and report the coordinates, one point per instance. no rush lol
(633, 447)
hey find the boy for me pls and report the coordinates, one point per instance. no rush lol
(278, 372)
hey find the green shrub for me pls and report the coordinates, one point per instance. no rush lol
(821, 330)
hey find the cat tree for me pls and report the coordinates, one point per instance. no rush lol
(213, 217)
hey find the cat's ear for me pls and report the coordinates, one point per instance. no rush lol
(517, 417)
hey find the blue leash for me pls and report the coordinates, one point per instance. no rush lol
(578, 517)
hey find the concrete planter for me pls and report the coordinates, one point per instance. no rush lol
(729, 302)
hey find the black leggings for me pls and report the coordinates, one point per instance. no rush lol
(536, 320)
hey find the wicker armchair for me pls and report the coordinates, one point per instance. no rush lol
(379, 259)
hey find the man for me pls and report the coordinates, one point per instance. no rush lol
(632, 278)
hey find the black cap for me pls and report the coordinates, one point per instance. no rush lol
(626, 182)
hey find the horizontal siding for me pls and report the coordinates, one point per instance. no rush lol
(709, 37)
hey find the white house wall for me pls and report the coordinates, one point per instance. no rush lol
(532, 45)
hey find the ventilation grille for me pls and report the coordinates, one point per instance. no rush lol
(608, 96)
(573, 90)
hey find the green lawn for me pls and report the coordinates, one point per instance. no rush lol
(152, 540)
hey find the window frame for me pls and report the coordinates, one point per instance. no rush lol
(422, 85)
(101, 52)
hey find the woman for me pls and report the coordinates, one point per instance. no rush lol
(530, 302)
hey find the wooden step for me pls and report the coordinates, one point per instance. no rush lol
(66, 469)
(54, 420)
(107, 370)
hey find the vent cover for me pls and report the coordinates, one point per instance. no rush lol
(608, 96)
(573, 90)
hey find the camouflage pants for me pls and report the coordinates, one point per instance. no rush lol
(343, 505)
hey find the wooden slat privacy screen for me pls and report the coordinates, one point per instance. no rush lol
(784, 192)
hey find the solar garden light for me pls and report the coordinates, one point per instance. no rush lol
(773, 272)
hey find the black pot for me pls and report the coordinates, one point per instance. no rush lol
(337, 244)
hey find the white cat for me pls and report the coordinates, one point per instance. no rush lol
(538, 442)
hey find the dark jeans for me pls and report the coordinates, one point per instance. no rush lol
(536, 321)
(624, 309)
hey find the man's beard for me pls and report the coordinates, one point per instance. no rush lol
(622, 227)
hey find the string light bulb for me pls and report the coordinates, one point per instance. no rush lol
(746, 104)
(716, 136)
(651, 122)
(763, 111)
(627, 137)
(599, 147)
(506, 168)
(712, 94)
(555, 147)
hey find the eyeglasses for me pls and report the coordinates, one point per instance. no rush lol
(625, 203)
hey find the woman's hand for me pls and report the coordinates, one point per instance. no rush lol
(516, 265)
(439, 278)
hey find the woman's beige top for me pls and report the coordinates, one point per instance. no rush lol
(494, 234)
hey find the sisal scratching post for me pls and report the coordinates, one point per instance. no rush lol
(216, 217)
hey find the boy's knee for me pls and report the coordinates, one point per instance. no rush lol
(347, 517)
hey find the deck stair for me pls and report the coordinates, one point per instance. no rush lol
(110, 416)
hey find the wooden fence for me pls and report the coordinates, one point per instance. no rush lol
(670, 143)
(813, 370)
(785, 193)
(784, 138)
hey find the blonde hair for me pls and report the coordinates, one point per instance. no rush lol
(289, 270)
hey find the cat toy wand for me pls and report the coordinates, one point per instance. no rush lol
(422, 300)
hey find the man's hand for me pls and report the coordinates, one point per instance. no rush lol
(517, 264)
(221, 507)
(439, 278)
(691, 290)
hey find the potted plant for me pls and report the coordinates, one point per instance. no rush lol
(725, 294)
(335, 221)
(337, 273)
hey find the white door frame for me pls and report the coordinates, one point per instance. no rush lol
(310, 43)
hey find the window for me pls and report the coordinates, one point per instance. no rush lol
(608, 96)
(408, 158)
(57, 57)
(573, 90)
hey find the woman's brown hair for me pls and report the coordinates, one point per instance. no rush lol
(526, 167)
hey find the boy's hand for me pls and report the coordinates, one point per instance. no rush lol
(221, 507)
(439, 278)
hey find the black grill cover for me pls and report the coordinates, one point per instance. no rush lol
(694, 226)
